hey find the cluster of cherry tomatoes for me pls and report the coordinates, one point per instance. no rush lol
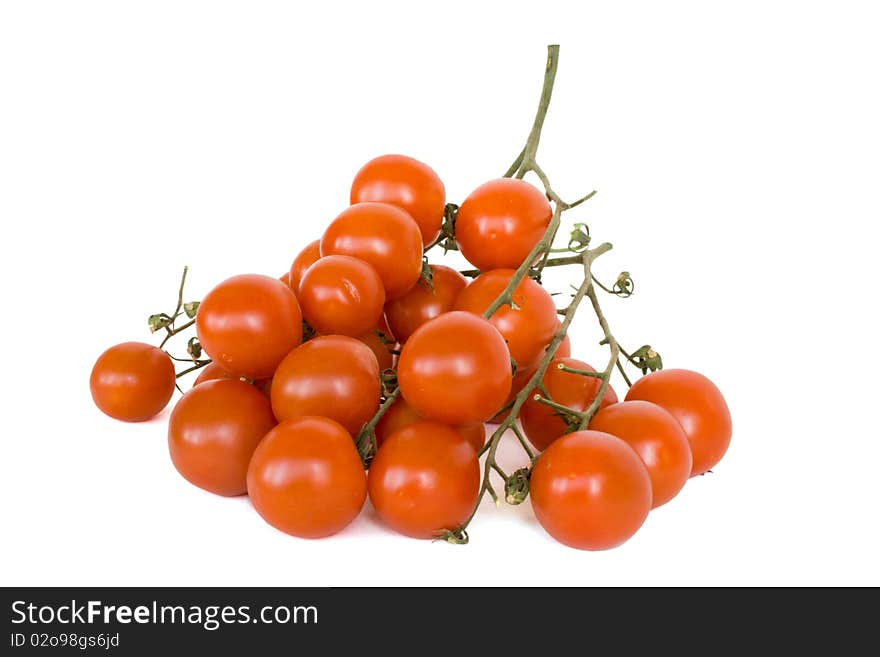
(301, 366)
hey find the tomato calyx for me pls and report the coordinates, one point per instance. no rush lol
(388, 379)
(645, 358)
(516, 488)
(426, 280)
(458, 536)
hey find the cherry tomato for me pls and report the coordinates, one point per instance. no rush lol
(341, 295)
(455, 369)
(380, 349)
(213, 431)
(424, 479)
(528, 328)
(475, 434)
(423, 302)
(657, 437)
(407, 183)
(401, 414)
(590, 490)
(384, 236)
(306, 258)
(697, 404)
(306, 478)
(500, 223)
(132, 381)
(541, 423)
(248, 323)
(332, 376)
(210, 372)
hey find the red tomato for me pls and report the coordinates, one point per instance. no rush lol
(306, 478)
(132, 381)
(380, 350)
(528, 328)
(424, 479)
(590, 490)
(407, 183)
(474, 433)
(697, 404)
(541, 424)
(285, 278)
(401, 415)
(210, 372)
(306, 258)
(422, 302)
(455, 369)
(341, 295)
(384, 236)
(332, 376)
(657, 437)
(213, 431)
(500, 223)
(248, 324)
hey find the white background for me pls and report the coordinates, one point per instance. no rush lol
(737, 153)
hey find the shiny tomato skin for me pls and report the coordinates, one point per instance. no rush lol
(285, 278)
(500, 223)
(455, 369)
(422, 303)
(132, 381)
(406, 183)
(658, 439)
(248, 324)
(306, 478)
(213, 432)
(697, 404)
(305, 259)
(382, 235)
(540, 422)
(401, 415)
(341, 295)
(590, 490)
(424, 480)
(330, 376)
(528, 328)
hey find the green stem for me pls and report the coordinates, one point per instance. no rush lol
(199, 365)
(574, 370)
(173, 332)
(531, 148)
(522, 440)
(551, 262)
(562, 408)
(506, 296)
(366, 438)
(606, 373)
(459, 535)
